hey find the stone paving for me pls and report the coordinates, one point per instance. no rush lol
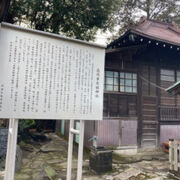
(49, 162)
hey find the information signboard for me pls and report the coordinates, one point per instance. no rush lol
(46, 76)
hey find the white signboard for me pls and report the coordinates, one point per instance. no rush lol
(46, 76)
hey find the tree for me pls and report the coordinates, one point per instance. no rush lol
(131, 11)
(76, 18)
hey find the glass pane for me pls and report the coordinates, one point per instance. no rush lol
(122, 82)
(116, 81)
(178, 78)
(167, 78)
(167, 72)
(115, 88)
(128, 82)
(121, 75)
(178, 73)
(109, 73)
(134, 89)
(122, 88)
(128, 75)
(116, 74)
(108, 88)
(134, 82)
(109, 81)
(134, 76)
(128, 89)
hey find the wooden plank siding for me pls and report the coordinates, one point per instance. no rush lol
(148, 106)
(142, 110)
(119, 105)
(149, 122)
(108, 133)
(90, 131)
(128, 133)
(169, 132)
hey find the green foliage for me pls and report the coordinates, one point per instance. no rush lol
(76, 18)
(24, 125)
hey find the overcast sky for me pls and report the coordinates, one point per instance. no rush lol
(101, 38)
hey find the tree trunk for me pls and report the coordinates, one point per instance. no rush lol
(148, 8)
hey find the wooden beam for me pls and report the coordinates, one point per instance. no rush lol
(139, 108)
(158, 98)
(125, 48)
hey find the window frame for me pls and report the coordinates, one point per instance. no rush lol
(165, 75)
(132, 79)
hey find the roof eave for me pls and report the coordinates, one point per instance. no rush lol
(153, 38)
(141, 34)
(173, 89)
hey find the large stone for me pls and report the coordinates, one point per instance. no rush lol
(127, 174)
(28, 147)
(18, 160)
(3, 141)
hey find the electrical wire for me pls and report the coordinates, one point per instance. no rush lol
(153, 84)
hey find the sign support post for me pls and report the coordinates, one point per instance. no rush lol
(80, 132)
(80, 150)
(70, 150)
(11, 149)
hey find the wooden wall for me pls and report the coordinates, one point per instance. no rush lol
(108, 133)
(119, 105)
(169, 132)
(117, 132)
(143, 106)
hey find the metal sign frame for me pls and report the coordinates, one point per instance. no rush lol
(63, 81)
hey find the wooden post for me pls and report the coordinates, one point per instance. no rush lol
(175, 156)
(178, 156)
(80, 150)
(11, 149)
(170, 155)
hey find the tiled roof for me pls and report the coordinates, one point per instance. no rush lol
(155, 30)
(167, 32)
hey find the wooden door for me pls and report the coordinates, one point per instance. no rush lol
(128, 133)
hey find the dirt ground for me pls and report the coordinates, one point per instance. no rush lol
(48, 160)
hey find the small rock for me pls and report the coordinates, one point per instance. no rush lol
(50, 172)
(147, 158)
(26, 170)
(47, 149)
(148, 168)
(24, 161)
(127, 174)
(22, 177)
(2, 173)
(109, 178)
(158, 178)
(54, 161)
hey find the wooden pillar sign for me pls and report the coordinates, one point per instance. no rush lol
(47, 76)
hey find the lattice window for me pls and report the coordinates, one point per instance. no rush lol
(121, 81)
